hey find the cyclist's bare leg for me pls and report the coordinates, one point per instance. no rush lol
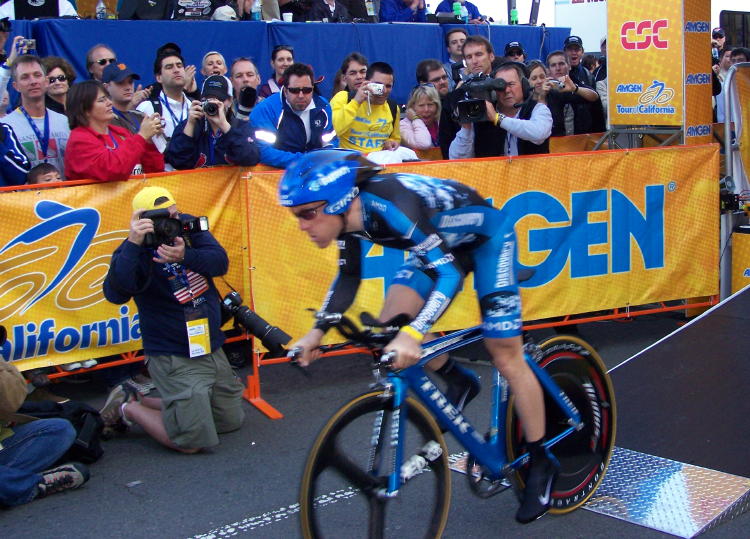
(507, 355)
(402, 299)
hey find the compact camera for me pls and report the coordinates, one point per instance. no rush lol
(560, 85)
(167, 228)
(26, 45)
(272, 337)
(476, 90)
(376, 88)
(210, 108)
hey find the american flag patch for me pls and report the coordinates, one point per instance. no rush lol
(198, 285)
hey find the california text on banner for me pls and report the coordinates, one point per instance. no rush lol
(55, 248)
(628, 228)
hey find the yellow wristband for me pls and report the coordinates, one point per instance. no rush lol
(413, 333)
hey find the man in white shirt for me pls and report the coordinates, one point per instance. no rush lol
(518, 126)
(171, 103)
(43, 133)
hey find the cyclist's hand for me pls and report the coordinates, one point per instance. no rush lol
(408, 350)
(310, 346)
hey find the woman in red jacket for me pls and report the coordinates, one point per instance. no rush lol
(100, 151)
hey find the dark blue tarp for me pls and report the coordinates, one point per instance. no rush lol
(321, 45)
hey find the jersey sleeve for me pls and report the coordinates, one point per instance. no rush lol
(344, 288)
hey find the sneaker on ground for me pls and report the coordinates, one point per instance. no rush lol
(89, 363)
(111, 412)
(65, 477)
(71, 366)
(537, 496)
(461, 394)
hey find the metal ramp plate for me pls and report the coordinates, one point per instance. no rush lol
(669, 496)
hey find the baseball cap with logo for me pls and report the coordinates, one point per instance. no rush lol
(216, 86)
(224, 13)
(572, 41)
(118, 73)
(717, 32)
(153, 198)
(514, 45)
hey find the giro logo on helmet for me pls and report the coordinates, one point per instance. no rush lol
(343, 203)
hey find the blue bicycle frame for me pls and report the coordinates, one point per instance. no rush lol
(490, 453)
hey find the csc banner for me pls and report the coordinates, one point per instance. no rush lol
(645, 62)
(629, 228)
(55, 247)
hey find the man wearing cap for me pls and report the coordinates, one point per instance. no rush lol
(118, 80)
(514, 52)
(210, 136)
(293, 121)
(573, 48)
(446, 6)
(180, 324)
(718, 39)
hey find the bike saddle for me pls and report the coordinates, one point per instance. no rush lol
(396, 322)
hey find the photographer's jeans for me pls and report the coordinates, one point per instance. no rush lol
(33, 448)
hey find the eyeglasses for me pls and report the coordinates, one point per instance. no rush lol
(307, 90)
(105, 61)
(310, 213)
(59, 78)
(441, 78)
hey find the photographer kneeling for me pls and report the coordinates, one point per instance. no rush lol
(168, 272)
(508, 122)
(210, 135)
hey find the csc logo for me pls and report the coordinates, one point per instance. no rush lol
(646, 34)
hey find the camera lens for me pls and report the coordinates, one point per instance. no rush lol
(210, 108)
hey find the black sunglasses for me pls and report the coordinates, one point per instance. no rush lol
(59, 78)
(310, 213)
(307, 90)
(105, 61)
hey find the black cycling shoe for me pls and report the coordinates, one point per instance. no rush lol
(537, 495)
(461, 394)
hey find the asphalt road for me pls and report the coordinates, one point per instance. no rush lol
(248, 485)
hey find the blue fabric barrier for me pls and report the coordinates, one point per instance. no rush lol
(321, 45)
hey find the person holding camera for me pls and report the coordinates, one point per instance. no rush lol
(170, 277)
(576, 108)
(210, 135)
(293, 121)
(513, 124)
(100, 151)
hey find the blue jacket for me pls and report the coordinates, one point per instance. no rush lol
(160, 295)
(281, 135)
(235, 147)
(13, 161)
(446, 6)
(397, 11)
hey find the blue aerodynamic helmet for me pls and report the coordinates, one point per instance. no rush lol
(328, 176)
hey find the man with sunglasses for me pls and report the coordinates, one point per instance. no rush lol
(43, 133)
(210, 135)
(97, 58)
(293, 121)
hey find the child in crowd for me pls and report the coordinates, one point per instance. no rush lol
(43, 173)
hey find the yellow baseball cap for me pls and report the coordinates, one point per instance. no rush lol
(153, 198)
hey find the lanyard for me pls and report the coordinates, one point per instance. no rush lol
(182, 276)
(127, 120)
(43, 140)
(114, 142)
(165, 102)
(211, 144)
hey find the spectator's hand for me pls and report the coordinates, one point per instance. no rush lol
(150, 126)
(715, 67)
(362, 92)
(568, 84)
(15, 50)
(220, 120)
(190, 84)
(168, 254)
(390, 144)
(139, 228)
(411, 115)
(196, 112)
(140, 95)
(490, 110)
(310, 345)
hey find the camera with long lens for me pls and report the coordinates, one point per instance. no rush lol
(167, 228)
(210, 108)
(476, 90)
(272, 337)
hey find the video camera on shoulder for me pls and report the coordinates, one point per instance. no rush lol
(167, 228)
(476, 90)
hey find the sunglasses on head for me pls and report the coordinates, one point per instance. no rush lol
(59, 78)
(310, 213)
(307, 90)
(105, 61)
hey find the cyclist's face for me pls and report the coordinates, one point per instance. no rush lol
(321, 227)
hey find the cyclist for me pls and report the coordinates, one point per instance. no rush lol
(448, 230)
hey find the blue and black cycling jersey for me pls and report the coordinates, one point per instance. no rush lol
(449, 231)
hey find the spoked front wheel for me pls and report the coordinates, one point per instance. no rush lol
(344, 490)
(584, 455)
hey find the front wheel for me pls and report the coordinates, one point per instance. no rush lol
(584, 455)
(344, 490)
